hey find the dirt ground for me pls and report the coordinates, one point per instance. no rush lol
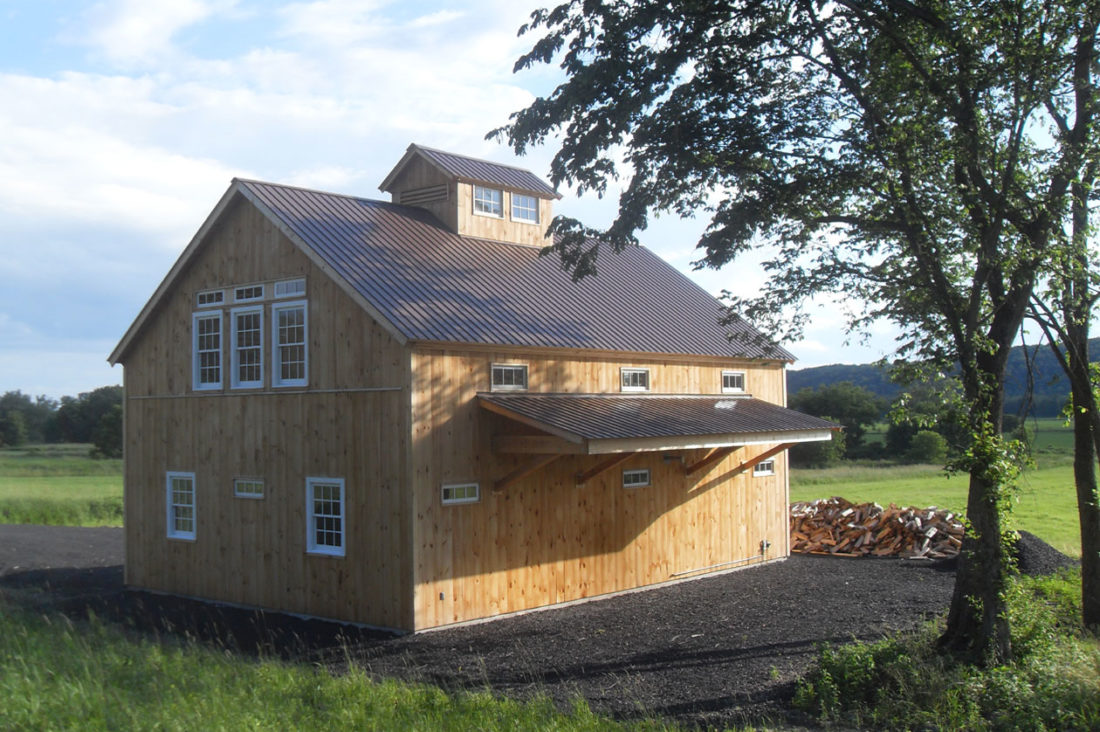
(716, 651)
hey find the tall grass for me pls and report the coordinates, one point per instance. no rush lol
(59, 485)
(903, 682)
(59, 675)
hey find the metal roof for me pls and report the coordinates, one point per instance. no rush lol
(478, 171)
(430, 284)
(621, 416)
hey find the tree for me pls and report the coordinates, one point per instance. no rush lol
(107, 435)
(893, 151)
(13, 429)
(852, 406)
(78, 416)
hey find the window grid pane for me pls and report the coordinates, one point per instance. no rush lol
(181, 506)
(249, 344)
(208, 344)
(327, 520)
(507, 376)
(525, 208)
(488, 201)
(635, 379)
(461, 493)
(292, 344)
(733, 381)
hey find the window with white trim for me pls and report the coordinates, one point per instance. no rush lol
(325, 516)
(763, 468)
(733, 382)
(180, 500)
(209, 298)
(248, 487)
(290, 365)
(248, 293)
(488, 201)
(460, 493)
(637, 478)
(525, 208)
(248, 347)
(290, 288)
(206, 349)
(634, 379)
(509, 376)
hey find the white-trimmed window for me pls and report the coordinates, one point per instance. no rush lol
(206, 349)
(248, 347)
(325, 516)
(488, 201)
(636, 478)
(733, 382)
(180, 500)
(290, 365)
(634, 379)
(290, 288)
(248, 487)
(763, 468)
(509, 377)
(525, 208)
(209, 298)
(248, 293)
(460, 493)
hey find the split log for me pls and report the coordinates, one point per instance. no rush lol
(838, 527)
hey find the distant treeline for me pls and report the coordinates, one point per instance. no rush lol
(94, 416)
(1049, 388)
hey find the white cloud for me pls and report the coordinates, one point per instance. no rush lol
(140, 32)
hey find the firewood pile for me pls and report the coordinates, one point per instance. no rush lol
(845, 529)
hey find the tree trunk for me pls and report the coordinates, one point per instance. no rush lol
(1085, 439)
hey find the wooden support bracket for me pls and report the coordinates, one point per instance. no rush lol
(523, 471)
(710, 459)
(603, 465)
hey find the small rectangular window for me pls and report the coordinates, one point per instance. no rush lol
(206, 349)
(733, 381)
(635, 379)
(325, 516)
(509, 377)
(248, 293)
(180, 500)
(290, 288)
(488, 201)
(209, 298)
(248, 487)
(290, 367)
(764, 467)
(461, 493)
(525, 208)
(636, 478)
(248, 348)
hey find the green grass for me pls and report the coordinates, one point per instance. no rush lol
(59, 485)
(58, 675)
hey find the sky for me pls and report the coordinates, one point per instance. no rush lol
(124, 121)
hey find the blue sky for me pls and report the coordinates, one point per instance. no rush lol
(123, 122)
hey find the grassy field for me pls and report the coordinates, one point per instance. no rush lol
(59, 485)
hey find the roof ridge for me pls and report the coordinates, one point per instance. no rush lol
(471, 157)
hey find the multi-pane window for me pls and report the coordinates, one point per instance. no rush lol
(525, 208)
(461, 493)
(325, 516)
(290, 288)
(209, 298)
(509, 377)
(635, 379)
(290, 367)
(248, 293)
(489, 201)
(180, 500)
(248, 347)
(764, 467)
(635, 478)
(207, 350)
(733, 381)
(248, 487)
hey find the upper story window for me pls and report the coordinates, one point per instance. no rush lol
(525, 208)
(180, 500)
(248, 293)
(764, 467)
(209, 298)
(636, 478)
(248, 347)
(290, 288)
(206, 364)
(634, 379)
(509, 377)
(290, 366)
(488, 201)
(733, 381)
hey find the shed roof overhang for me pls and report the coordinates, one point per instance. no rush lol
(595, 424)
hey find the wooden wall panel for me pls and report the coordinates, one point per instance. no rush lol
(545, 540)
(421, 174)
(351, 422)
(502, 228)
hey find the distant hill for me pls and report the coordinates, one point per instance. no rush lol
(1049, 392)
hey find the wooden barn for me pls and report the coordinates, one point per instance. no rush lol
(399, 414)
